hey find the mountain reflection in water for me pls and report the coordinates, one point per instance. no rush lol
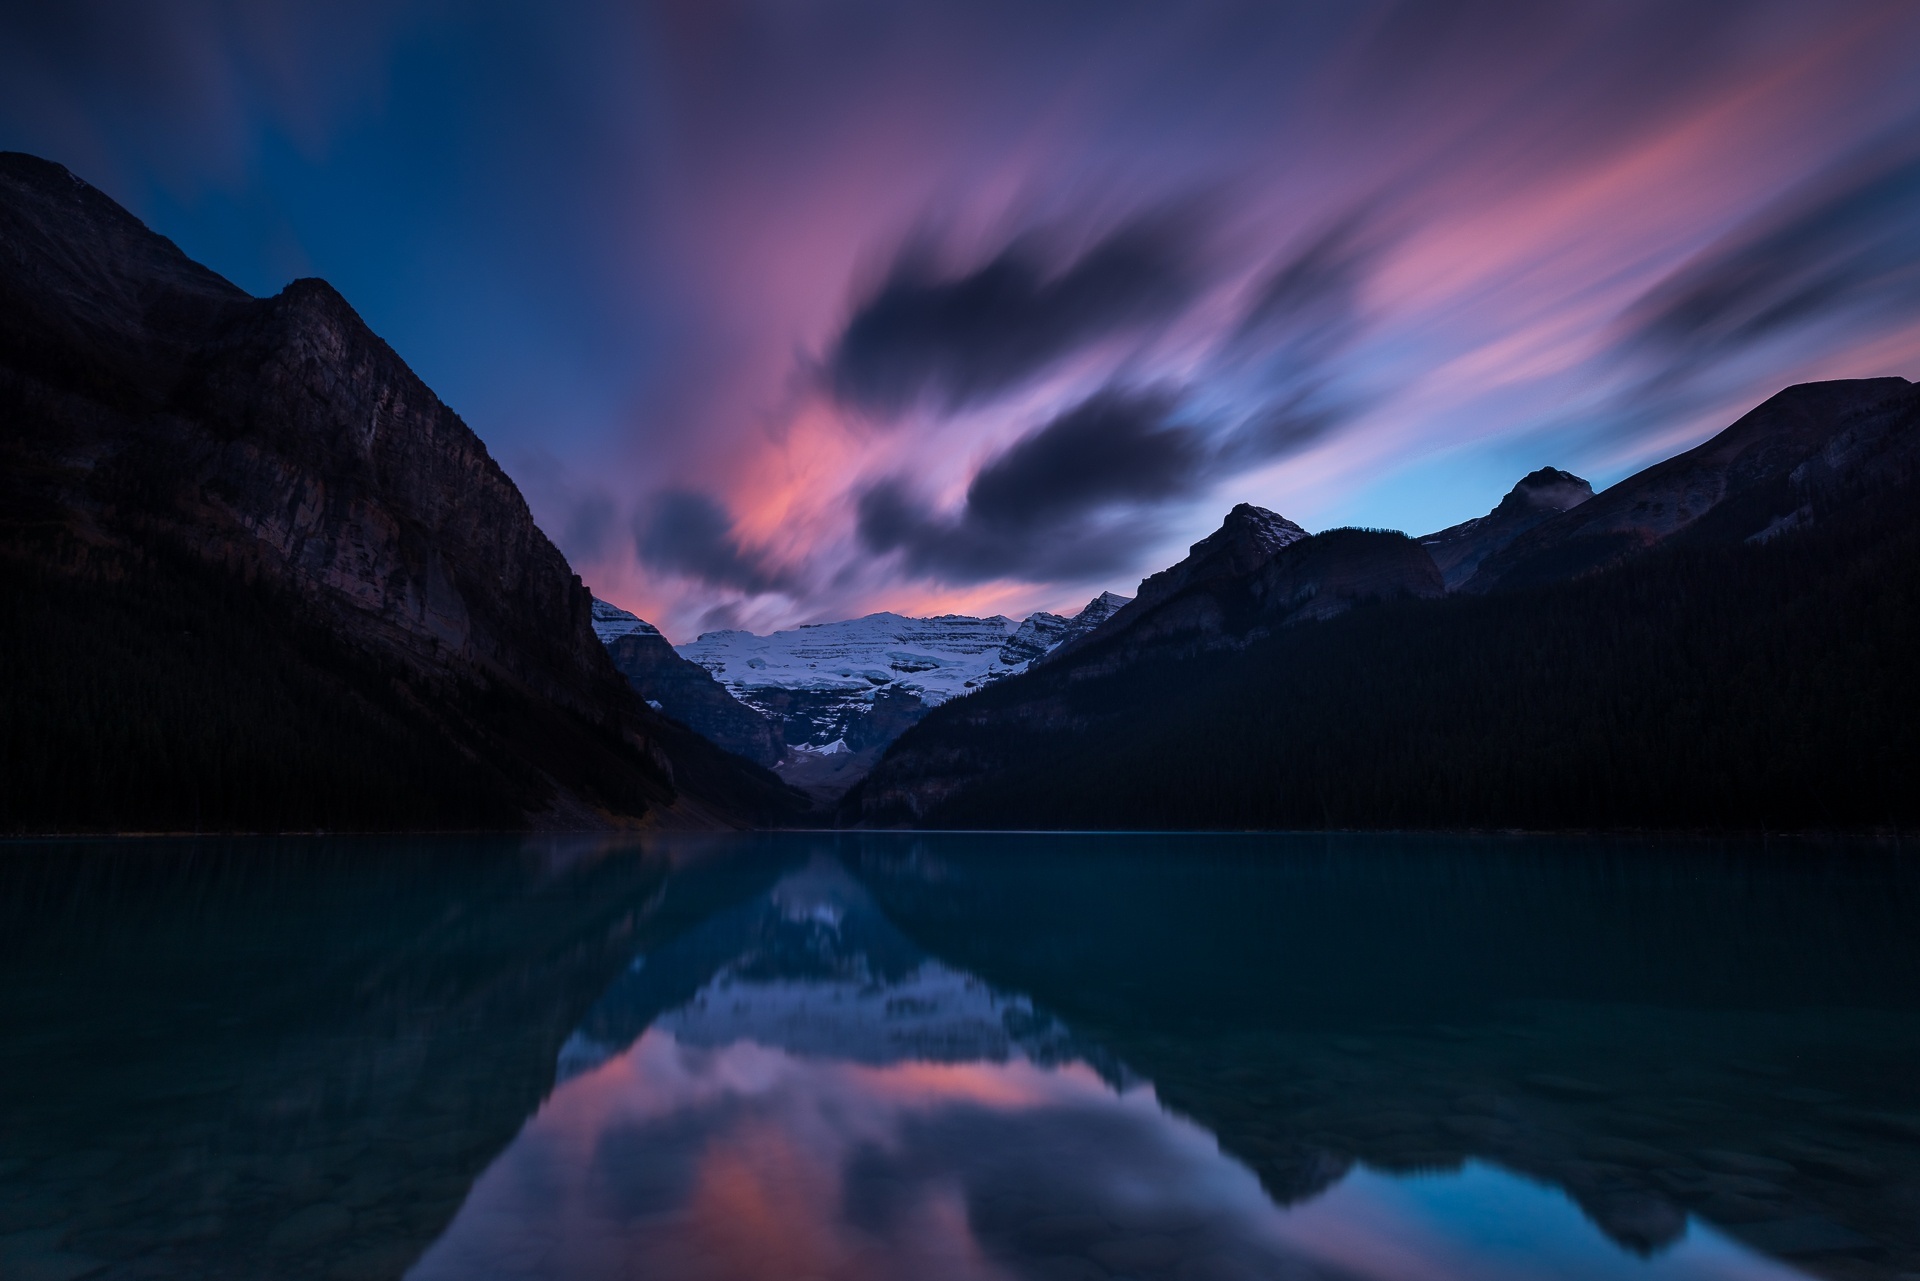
(1167, 1058)
(795, 1090)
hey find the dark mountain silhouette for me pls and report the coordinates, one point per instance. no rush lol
(1743, 664)
(1257, 572)
(259, 576)
(1459, 549)
(1740, 484)
(1256, 575)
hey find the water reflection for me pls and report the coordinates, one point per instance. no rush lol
(921, 1057)
(794, 1089)
(290, 1058)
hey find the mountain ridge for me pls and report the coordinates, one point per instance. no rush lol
(175, 445)
(1745, 662)
(1740, 476)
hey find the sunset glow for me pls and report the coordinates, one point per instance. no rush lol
(751, 306)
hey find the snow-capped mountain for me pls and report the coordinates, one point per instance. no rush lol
(610, 623)
(1041, 634)
(860, 682)
(935, 658)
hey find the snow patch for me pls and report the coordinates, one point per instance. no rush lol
(610, 623)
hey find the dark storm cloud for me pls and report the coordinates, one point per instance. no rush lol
(893, 518)
(962, 339)
(1066, 500)
(1112, 448)
(688, 533)
(610, 231)
(1083, 494)
(1845, 248)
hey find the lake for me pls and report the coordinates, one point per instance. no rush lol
(1189, 1058)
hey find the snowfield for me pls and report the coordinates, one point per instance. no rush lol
(934, 658)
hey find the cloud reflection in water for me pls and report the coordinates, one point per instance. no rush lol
(831, 1103)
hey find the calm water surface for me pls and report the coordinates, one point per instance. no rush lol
(958, 1057)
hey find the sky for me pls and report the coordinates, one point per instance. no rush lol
(784, 311)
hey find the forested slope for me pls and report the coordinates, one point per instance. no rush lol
(1743, 686)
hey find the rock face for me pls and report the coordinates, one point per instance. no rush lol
(1752, 479)
(685, 691)
(1041, 634)
(1097, 611)
(159, 422)
(1459, 549)
(1246, 540)
(1036, 634)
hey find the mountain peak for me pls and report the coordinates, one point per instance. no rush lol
(1549, 488)
(1538, 495)
(610, 622)
(1249, 531)
(1755, 461)
(1246, 539)
(1101, 607)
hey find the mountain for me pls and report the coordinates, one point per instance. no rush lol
(684, 690)
(1097, 611)
(1740, 484)
(834, 683)
(1459, 549)
(1245, 540)
(1257, 572)
(1041, 634)
(836, 694)
(610, 623)
(259, 576)
(1749, 667)
(857, 684)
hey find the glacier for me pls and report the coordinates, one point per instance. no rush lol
(861, 681)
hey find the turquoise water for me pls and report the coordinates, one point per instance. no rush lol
(958, 1056)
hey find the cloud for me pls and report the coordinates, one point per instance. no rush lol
(959, 340)
(1066, 501)
(689, 533)
(1115, 447)
(1085, 493)
(1282, 362)
(1312, 295)
(1846, 247)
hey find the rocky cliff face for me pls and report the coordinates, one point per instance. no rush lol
(159, 421)
(1459, 549)
(1751, 478)
(683, 690)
